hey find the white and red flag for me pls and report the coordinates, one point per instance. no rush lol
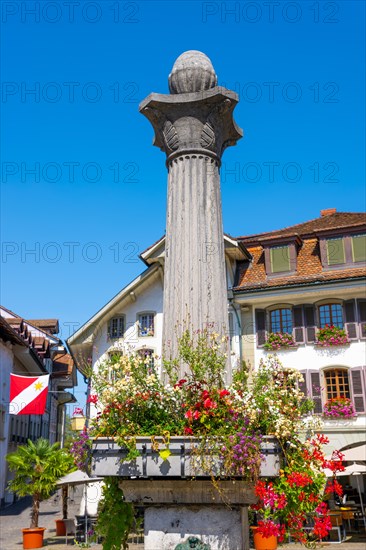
(28, 394)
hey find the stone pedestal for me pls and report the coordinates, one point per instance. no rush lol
(219, 527)
(180, 500)
(193, 126)
(176, 510)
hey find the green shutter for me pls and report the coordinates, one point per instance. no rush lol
(280, 259)
(335, 251)
(359, 248)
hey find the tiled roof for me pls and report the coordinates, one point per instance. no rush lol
(49, 325)
(39, 344)
(63, 364)
(335, 220)
(309, 268)
(8, 333)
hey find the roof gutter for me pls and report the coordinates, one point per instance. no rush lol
(240, 290)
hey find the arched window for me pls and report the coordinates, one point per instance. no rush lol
(331, 314)
(337, 383)
(281, 320)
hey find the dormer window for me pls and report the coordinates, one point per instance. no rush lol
(340, 251)
(116, 327)
(280, 255)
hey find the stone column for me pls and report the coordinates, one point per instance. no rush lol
(193, 125)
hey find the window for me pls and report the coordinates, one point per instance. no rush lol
(116, 327)
(146, 324)
(331, 314)
(337, 383)
(114, 372)
(281, 320)
(147, 354)
(346, 250)
(359, 248)
(280, 259)
(335, 251)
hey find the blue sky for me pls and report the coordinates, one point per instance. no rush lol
(83, 187)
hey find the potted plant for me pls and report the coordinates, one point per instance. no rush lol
(331, 336)
(279, 340)
(286, 503)
(37, 466)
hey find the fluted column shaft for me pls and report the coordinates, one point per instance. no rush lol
(195, 290)
(193, 129)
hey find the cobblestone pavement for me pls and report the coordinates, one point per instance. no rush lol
(17, 516)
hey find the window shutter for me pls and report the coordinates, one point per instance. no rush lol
(260, 321)
(298, 331)
(361, 307)
(303, 385)
(359, 248)
(350, 317)
(358, 391)
(335, 251)
(316, 391)
(309, 314)
(280, 259)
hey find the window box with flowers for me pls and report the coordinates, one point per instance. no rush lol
(278, 341)
(339, 407)
(331, 335)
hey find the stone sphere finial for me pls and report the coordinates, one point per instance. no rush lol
(192, 72)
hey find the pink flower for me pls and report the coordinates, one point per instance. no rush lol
(92, 399)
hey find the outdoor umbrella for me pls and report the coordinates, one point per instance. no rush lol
(352, 470)
(356, 454)
(79, 478)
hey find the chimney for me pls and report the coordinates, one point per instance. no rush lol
(328, 212)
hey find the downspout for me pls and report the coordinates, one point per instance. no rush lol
(232, 302)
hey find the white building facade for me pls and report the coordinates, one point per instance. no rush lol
(282, 282)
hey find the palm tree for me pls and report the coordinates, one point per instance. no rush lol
(37, 468)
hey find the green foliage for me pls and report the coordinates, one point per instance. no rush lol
(37, 466)
(115, 516)
(204, 355)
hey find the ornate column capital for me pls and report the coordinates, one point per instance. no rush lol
(197, 116)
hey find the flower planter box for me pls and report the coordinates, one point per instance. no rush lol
(108, 459)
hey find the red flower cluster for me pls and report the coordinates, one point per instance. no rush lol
(299, 479)
(268, 529)
(208, 406)
(334, 487)
(284, 504)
